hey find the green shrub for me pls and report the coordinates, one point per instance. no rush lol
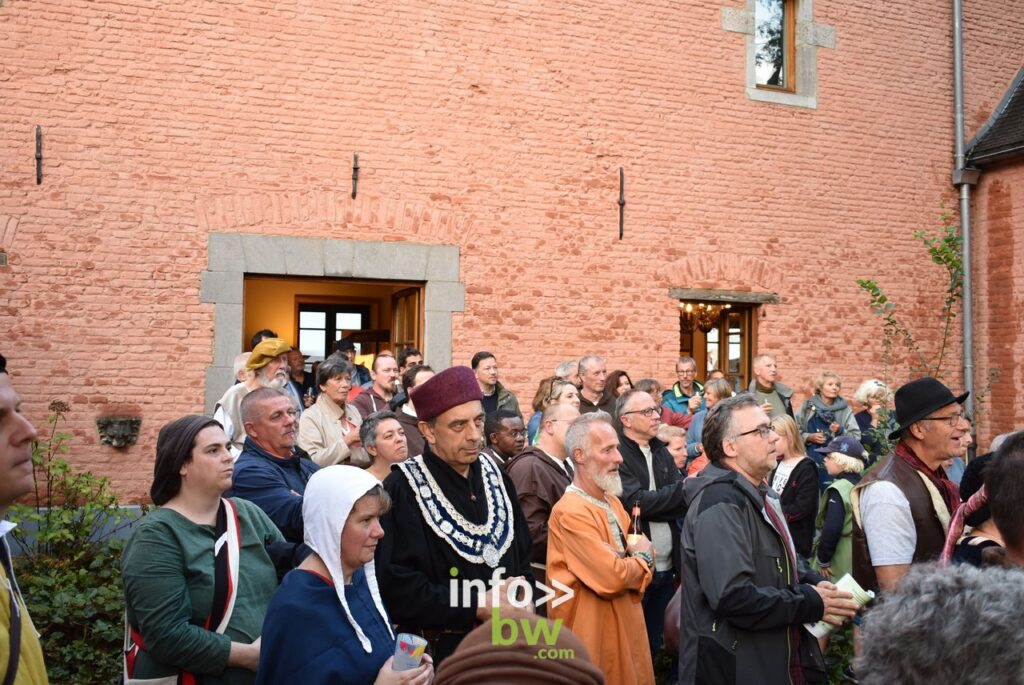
(839, 654)
(70, 570)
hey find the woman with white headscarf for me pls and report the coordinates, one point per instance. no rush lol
(326, 623)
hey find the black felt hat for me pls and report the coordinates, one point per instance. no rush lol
(919, 398)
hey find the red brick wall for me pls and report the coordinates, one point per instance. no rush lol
(497, 127)
(998, 210)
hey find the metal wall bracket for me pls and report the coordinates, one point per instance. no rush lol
(355, 174)
(622, 201)
(39, 154)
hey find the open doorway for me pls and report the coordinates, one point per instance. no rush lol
(719, 336)
(313, 313)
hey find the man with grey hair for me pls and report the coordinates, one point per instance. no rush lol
(776, 398)
(239, 368)
(569, 370)
(998, 441)
(651, 479)
(956, 624)
(593, 374)
(748, 593)
(588, 551)
(272, 471)
(268, 364)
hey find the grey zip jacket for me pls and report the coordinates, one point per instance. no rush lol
(741, 611)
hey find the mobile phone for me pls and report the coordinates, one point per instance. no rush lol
(409, 651)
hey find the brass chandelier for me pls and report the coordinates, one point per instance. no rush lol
(704, 316)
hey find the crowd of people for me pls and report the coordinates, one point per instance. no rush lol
(406, 526)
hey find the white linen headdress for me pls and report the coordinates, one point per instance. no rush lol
(328, 500)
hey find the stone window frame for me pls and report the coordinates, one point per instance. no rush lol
(809, 36)
(233, 255)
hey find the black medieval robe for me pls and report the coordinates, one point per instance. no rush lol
(414, 561)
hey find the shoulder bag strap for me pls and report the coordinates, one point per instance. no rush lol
(225, 567)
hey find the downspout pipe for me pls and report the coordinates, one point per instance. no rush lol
(964, 179)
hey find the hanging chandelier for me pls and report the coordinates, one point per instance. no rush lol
(704, 316)
(707, 316)
(686, 317)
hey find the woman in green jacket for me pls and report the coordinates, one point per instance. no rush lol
(168, 565)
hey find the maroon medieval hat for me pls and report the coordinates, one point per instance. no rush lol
(445, 390)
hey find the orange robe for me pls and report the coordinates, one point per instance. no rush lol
(605, 611)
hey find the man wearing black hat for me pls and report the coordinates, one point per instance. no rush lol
(454, 518)
(901, 510)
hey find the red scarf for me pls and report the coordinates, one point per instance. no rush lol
(938, 477)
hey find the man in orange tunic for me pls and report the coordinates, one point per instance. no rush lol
(587, 550)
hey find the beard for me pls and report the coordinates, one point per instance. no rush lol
(277, 382)
(610, 483)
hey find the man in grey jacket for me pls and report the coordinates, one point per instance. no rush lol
(775, 398)
(746, 592)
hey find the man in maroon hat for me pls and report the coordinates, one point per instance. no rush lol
(902, 508)
(454, 518)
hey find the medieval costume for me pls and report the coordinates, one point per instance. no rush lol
(587, 552)
(445, 528)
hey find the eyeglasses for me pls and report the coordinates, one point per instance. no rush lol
(647, 411)
(952, 419)
(517, 434)
(686, 372)
(764, 430)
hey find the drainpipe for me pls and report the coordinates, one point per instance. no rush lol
(963, 178)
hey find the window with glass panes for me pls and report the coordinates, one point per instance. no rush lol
(321, 325)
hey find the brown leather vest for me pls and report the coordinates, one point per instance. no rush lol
(931, 534)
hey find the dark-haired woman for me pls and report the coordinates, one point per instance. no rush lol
(617, 383)
(197, 577)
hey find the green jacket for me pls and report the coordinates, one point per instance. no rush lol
(842, 559)
(167, 569)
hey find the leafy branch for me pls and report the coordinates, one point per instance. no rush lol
(944, 249)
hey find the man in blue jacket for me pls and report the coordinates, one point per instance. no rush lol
(272, 472)
(686, 395)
